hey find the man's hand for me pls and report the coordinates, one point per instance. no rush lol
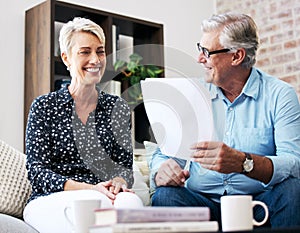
(218, 156)
(171, 174)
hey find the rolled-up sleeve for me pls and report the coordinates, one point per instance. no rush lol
(286, 163)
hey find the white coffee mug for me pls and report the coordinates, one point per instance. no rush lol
(237, 213)
(81, 214)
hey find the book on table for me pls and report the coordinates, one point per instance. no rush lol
(157, 227)
(151, 214)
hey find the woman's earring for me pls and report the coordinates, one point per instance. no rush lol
(68, 68)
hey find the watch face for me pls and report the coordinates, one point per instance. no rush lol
(248, 165)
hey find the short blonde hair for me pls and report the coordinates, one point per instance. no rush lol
(78, 24)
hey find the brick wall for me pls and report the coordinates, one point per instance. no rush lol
(279, 29)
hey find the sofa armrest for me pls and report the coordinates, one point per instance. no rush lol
(9, 224)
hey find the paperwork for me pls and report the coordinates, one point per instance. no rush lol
(179, 111)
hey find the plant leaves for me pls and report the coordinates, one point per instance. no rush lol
(151, 73)
(135, 57)
(134, 80)
(132, 66)
(119, 64)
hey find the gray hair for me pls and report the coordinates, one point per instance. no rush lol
(78, 24)
(237, 31)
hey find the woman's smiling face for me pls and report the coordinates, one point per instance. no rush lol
(87, 58)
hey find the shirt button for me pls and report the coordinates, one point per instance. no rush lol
(227, 133)
(225, 182)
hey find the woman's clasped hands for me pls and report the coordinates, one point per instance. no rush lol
(112, 187)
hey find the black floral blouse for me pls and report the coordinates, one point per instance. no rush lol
(59, 147)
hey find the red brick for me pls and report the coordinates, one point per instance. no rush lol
(264, 40)
(294, 67)
(263, 62)
(297, 9)
(282, 36)
(275, 49)
(290, 44)
(282, 14)
(288, 25)
(292, 79)
(270, 28)
(276, 71)
(281, 59)
(273, 6)
(286, 3)
(262, 51)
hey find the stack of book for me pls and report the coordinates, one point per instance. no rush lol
(153, 220)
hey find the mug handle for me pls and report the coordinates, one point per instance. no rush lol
(254, 203)
(67, 212)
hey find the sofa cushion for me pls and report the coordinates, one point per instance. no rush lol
(15, 188)
(140, 186)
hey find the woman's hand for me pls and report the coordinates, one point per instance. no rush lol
(118, 185)
(104, 187)
(112, 187)
(109, 188)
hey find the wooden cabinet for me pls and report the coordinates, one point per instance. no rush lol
(43, 65)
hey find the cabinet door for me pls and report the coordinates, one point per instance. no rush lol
(37, 53)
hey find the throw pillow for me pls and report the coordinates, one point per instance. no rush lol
(15, 188)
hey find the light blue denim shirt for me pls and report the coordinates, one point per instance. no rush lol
(263, 120)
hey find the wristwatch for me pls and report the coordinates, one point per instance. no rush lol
(248, 163)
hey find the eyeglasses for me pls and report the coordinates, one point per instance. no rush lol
(208, 53)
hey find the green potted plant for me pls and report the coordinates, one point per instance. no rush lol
(132, 72)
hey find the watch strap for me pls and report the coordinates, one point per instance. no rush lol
(248, 156)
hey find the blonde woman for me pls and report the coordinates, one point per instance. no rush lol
(78, 140)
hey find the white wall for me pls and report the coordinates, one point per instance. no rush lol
(181, 21)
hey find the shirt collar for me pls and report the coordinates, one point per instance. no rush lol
(251, 87)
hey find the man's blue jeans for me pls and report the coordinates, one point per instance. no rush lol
(283, 202)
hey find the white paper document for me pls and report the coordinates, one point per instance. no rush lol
(179, 111)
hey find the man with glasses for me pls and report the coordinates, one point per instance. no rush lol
(256, 150)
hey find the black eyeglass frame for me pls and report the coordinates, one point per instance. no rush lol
(207, 53)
